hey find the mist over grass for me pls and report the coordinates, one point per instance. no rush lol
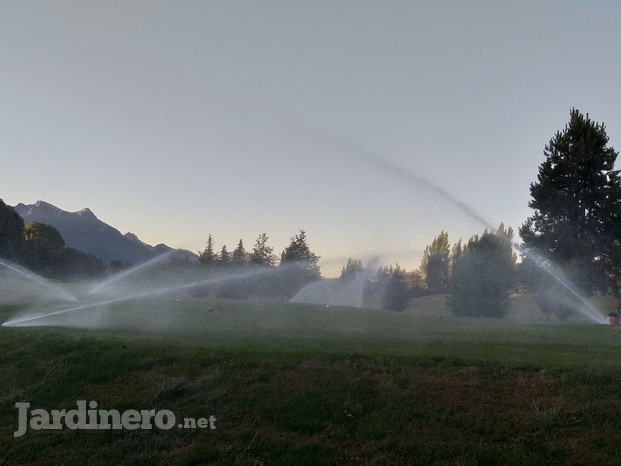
(426, 327)
(303, 384)
(316, 384)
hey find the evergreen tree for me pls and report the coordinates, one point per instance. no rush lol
(577, 204)
(483, 276)
(378, 280)
(351, 269)
(224, 260)
(234, 287)
(239, 258)
(262, 254)
(301, 264)
(11, 233)
(208, 256)
(396, 295)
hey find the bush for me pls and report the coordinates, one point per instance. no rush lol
(482, 278)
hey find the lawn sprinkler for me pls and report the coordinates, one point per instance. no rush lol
(613, 317)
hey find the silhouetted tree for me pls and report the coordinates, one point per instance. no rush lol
(554, 299)
(378, 280)
(44, 247)
(11, 233)
(240, 258)
(351, 269)
(415, 282)
(76, 265)
(301, 265)
(456, 253)
(483, 276)
(396, 295)
(224, 259)
(527, 274)
(262, 254)
(577, 204)
(45, 253)
(208, 256)
(435, 263)
(234, 287)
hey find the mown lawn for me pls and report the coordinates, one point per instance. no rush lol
(297, 384)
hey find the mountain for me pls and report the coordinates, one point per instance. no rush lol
(162, 248)
(83, 231)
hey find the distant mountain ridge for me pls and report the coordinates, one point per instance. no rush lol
(82, 230)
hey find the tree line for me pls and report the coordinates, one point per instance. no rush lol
(260, 271)
(571, 245)
(572, 241)
(477, 276)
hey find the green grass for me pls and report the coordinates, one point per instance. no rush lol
(298, 384)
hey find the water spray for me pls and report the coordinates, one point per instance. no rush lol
(337, 292)
(25, 321)
(34, 277)
(546, 267)
(409, 177)
(131, 270)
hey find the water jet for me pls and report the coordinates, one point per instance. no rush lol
(38, 279)
(336, 292)
(405, 175)
(34, 319)
(115, 278)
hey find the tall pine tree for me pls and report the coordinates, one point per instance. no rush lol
(577, 204)
(208, 256)
(240, 258)
(396, 294)
(301, 264)
(262, 254)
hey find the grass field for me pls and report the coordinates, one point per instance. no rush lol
(299, 384)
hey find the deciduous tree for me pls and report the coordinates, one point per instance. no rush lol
(435, 263)
(11, 233)
(44, 248)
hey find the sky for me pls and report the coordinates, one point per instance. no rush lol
(371, 125)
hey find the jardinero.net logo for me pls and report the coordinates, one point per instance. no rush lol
(103, 419)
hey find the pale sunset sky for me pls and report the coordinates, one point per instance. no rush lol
(174, 120)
